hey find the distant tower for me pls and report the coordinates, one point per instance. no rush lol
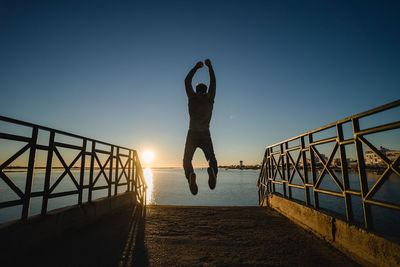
(241, 164)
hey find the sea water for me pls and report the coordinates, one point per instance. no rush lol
(166, 187)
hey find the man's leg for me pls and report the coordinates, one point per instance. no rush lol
(190, 147)
(207, 147)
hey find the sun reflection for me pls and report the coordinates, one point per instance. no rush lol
(148, 175)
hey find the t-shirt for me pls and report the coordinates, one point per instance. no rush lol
(200, 111)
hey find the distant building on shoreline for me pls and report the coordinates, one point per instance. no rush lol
(317, 160)
(241, 167)
(373, 159)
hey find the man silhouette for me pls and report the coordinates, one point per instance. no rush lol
(200, 105)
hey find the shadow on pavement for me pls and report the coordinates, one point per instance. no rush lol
(114, 240)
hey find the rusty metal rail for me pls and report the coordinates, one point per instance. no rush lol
(116, 172)
(279, 167)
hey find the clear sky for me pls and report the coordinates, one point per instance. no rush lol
(114, 70)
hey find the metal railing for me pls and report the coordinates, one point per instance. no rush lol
(279, 167)
(114, 175)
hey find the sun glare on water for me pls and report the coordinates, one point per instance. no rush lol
(147, 157)
(148, 175)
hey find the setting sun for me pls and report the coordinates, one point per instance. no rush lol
(148, 156)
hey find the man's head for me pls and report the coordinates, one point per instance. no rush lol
(201, 88)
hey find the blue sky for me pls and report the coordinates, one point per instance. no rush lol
(114, 70)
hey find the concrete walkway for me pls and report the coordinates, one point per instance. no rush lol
(232, 236)
(178, 235)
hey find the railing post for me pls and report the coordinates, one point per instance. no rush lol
(288, 170)
(116, 173)
(82, 174)
(128, 181)
(282, 170)
(29, 175)
(49, 162)
(272, 167)
(140, 182)
(91, 171)
(261, 179)
(313, 174)
(133, 172)
(305, 170)
(269, 172)
(345, 173)
(362, 175)
(110, 182)
(137, 178)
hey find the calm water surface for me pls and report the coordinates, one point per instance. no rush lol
(234, 188)
(166, 186)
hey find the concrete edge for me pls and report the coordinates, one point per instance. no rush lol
(360, 245)
(39, 229)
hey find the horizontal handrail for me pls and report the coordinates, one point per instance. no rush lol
(348, 119)
(28, 124)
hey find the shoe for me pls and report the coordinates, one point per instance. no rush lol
(192, 183)
(212, 178)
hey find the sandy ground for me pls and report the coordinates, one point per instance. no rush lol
(183, 236)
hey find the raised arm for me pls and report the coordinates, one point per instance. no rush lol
(189, 77)
(212, 87)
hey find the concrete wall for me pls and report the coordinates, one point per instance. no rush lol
(40, 229)
(362, 246)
